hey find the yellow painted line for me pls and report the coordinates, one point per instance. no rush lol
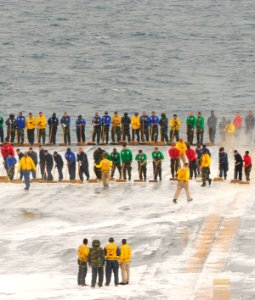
(203, 244)
(220, 288)
(215, 237)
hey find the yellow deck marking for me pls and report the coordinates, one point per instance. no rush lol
(203, 244)
(221, 289)
(210, 251)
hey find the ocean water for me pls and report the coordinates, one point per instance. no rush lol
(86, 56)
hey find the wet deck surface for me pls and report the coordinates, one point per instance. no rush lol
(198, 250)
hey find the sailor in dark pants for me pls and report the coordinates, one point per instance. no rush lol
(126, 121)
(96, 128)
(163, 122)
(26, 164)
(80, 129)
(126, 158)
(205, 168)
(223, 163)
(96, 262)
(157, 163)
(145, 124)
(191, 125)
(30, 124)
(71, 163)
(42, 162)
(141, 159)
(116, 162)
(21, 124)
(59, 164)
(135, 124)
(49, 165)
(65, 122)
(34, 157)
(82, 160)
(53, 128)
(116, 122)
(192, 158)
(154, 121)
(112, 252)
(41, 123)
(238, 165)
(83, 253)
(212, 125)
(175, 156)
(11, 128)
(247, 165)
(200, 128)
(106, 122)
(97, 158)
(20, 155)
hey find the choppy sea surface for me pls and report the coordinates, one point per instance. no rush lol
(85, 56)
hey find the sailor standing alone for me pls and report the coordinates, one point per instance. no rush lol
(183, 182)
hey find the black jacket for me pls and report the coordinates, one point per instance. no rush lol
(20, 155)
(49, 160)
(53, 122)
(97, 122)
(163, 122)
(223, 158)
(42, 156)
(58, 160)
(125, 121)
(11, 123)
(98, 155)
(34, 157)
(238, 160)
(83, 159)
